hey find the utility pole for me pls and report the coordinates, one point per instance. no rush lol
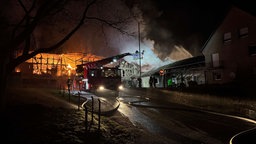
(139, 54)
(139, 46)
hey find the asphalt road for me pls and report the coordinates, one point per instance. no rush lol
(181, 124)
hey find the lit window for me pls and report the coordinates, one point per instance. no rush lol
(243, 32)
(227, 37)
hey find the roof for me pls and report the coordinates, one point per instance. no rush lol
(104, 61)
(189, 62)
(251, 12)
(185, 62)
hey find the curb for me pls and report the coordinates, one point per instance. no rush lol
(108, 112)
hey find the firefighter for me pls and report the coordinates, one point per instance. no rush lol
(69, 83)
(151, 81)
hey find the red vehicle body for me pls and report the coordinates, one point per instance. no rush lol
(93, 76)
(109, 78)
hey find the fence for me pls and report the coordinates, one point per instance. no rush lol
(88, 110)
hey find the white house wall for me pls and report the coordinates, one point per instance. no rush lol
(234, 59)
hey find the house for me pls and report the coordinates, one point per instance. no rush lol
(230, 52)
(228, 56)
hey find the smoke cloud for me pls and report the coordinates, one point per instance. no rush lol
(179, 28)
(169, 31)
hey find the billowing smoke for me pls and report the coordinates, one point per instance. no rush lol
(179, 28)
(168, 31)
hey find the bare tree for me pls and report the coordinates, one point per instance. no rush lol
(17, 27)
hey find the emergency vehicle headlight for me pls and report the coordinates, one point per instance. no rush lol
(120, 87)
(101, 87)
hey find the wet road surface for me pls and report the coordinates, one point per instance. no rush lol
(177, 123)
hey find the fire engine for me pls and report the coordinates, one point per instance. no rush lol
(93, 75)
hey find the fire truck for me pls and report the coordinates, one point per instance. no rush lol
(93, 75)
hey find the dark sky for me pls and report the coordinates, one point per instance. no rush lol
(170, 29)
(191, 16)
(188, 23)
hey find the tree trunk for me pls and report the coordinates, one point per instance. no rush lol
(3, 88)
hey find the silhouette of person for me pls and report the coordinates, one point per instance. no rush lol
(150, 81)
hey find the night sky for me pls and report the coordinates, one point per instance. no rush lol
(169, 30)
(186, 23)
(177, 29)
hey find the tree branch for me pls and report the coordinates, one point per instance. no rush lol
(23, 58)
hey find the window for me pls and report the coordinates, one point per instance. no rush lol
(215, 60)
(243, 32)
(216, 75)
(111, 73)
(227, 37)
(252, 50)
(254, 71)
